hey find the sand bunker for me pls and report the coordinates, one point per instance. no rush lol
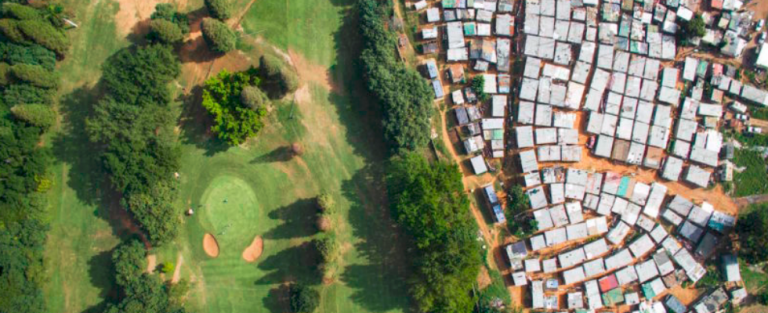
(210, 245)
(253, 252)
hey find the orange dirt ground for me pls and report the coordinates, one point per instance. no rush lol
(253, 252)
(210, 245)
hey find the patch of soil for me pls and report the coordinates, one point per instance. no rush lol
(310, 72)
(177, 271)
(151, 263)
(210, 245)
(133, 15)
(253, 252)
(483, 279)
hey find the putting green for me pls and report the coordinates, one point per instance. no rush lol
(231, 209)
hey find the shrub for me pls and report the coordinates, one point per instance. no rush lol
(325, 202)
(10, 29)
(219, 37)
(44, 34)
(168, 267)
(39, 115)
(20, 12)
(219, 9)
(35, 75)
(163, 31)
(253, 97)
(277, 75)
(303, 299)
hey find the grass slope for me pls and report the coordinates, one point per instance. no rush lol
(268, 194)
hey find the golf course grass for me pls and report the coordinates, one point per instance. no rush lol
(268, 192)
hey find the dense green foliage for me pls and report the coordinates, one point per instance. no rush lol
(139, 76)
(754, 179)
(34, 55)
(430, 204)
(39, 115)
(166, 11)
(404, 95)
(303, 299)
(142, 292)
(45, 34)
(693, 28)
(219, 9)
(25, 114)
(234, 121)
(752, 239)
(519, 224)
(166, 32)
(277, 76)
(219, 37)
(478, 85)
(35, 75)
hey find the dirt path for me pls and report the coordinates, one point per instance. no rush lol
(177, 271)
(758, 122)
(746, 201)
(151, 263)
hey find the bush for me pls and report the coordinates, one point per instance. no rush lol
(20, 12)
(303, 299)
(39, 115)
(277, 75)
(234, 122)
(44, 34)
(35, 75)
(219, 37)
(10, 29)
(325, 203)
(253, 97)
(219, 9)
(165, 32)
(168, 267)
(166, 11)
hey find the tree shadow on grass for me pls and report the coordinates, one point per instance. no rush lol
(277, 301)
(379, 285)
(298, 220)
(297, 263)
(196, 123)
(101, 272)
(280, 154)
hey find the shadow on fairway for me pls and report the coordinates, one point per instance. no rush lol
(298, 220)
(297, 263)
(277, 301)
(101, 272)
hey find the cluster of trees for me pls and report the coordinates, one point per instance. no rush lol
(141, 291)
(133, 125)
(752, 239)
(237, 101)
(328, 244)
(691, 29)
(303, 299)
(30, 43)
(519, 224)
(429, 202)
(404, 95)
(219, 37)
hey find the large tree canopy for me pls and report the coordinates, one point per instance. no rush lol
(752, 231)
(429, 201)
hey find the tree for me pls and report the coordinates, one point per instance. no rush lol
(303, 299)
(478, 85)
(752, 229)
(35, 75)
(693, 28)
(277, 76)
(253, 97)
(32, 54)
(234, 122)
(9, 28)
(129, 260)
(165, 32)
(16, 94)
(168, 267)
(325, 203)
(219, 9)
(140, 75)
(20, 12)
(219, 37)
(39, 115)
(43, 33)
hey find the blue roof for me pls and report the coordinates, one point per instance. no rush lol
(498, 213)
(438, 88)
(490, 194)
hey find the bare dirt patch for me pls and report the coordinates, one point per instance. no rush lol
(253, 252)
(151, 263)
(177, 271)
(134, 15)
(483, 278)
(210, 245)
(310, 72)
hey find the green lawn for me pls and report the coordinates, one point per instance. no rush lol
(753, 180)
(267, 193)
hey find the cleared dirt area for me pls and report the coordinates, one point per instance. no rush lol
(253, 252)
(210, 245)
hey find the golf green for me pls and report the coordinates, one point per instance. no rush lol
(229, 208)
